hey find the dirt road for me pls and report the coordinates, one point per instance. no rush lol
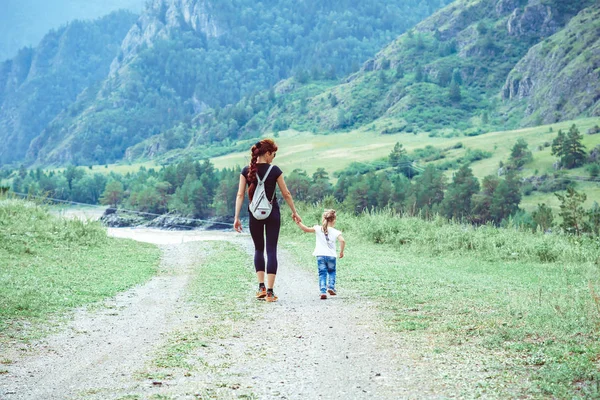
(298, 348)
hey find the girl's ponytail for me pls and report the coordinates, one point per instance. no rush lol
(328, 216)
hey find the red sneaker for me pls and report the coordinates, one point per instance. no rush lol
(262, 293)
(332, 292)
(323, 296)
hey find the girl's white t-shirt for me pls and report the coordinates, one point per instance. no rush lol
(325, 245)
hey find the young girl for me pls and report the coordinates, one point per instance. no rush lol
(326, 236)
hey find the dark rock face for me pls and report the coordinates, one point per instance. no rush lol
(174, 222)
(557, 81)
(506, 6)
(535, 19)
(114, 219)
(119, 219)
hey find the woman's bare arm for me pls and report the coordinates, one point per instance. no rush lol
(239, 200)
(288, 198)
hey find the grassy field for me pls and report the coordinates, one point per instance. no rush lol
(120, 168)
(531, 299)
(336, 151)
(51, 265)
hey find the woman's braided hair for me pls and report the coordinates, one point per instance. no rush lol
(328, 216)
(261, 147)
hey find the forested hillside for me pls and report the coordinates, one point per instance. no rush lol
(41, 82)
(193, 77)
(458, 73)
(183, 57)
(23, 23)
(472, 67)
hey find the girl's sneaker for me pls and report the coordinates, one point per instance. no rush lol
(323, 296)
(332, 292)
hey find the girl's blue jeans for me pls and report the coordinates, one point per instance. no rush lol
(326, 267)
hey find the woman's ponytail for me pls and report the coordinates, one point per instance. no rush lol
(261, 147)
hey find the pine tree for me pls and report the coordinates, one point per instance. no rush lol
(572, 212)
(542, 217)
(458, 198)
(506, 198)
(419, 74)
(454, 93)
(399, 71)
(444, 77)
(520, 154)
(397, 155)
(594, 219)
(569, 148)
(482, 201)
(429, 187)
(575, 148)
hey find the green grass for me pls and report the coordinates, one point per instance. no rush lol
(530, 299)
(52, 265)
(336, 151)
(120, 167)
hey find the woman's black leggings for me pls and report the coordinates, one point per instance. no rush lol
(268, 227)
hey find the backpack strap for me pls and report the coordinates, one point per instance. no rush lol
(264, 179)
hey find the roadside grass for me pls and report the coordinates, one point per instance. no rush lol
(530, 299)
(51, 265)
(218, 296)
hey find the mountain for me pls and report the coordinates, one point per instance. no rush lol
(194, 76)
(473, 67)
(23, 23)
(458, 72)
(183, 57)
(41, 82)
(559, 78)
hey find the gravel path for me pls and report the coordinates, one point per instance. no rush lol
(298, 348)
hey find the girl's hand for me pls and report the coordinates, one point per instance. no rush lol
(296, 217)
(341, 254)
(237, 225)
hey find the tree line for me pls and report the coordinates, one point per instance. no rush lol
(197, 189)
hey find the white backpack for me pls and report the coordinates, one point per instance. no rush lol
(261, 206)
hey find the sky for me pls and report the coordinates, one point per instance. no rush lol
(25, 22)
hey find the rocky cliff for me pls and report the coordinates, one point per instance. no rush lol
(43, 81)
(160, 18)
(559, 78)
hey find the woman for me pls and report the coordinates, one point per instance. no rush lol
(262, 155)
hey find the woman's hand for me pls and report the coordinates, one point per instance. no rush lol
(296, 217)
(237, 225)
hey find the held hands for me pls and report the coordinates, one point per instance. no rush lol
(296, 218)
(237, 225)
